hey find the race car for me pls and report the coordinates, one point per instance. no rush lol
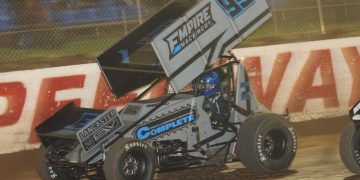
(209, 115)
(350, 141)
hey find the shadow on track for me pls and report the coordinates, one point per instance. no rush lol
(222, 173)
(352, 177)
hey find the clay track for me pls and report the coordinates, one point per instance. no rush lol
(317, 158)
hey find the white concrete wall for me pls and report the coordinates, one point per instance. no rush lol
(311, 80)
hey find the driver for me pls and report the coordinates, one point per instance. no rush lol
(215, 91)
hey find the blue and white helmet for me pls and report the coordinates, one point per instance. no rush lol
(209, 84)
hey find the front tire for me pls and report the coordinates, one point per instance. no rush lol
(129, 159)
(350, 148)
(266, 143)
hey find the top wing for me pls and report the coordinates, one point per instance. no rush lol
(180, 42)
(210, 29)
(132, 63)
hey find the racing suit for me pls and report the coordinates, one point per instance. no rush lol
(217, 108)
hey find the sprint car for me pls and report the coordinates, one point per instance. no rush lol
(186, 127)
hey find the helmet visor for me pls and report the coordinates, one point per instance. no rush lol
(203, 86)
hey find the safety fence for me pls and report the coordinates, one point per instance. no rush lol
(34, 29)
(306, 20)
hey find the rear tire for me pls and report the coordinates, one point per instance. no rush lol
(266, 143)
(350, 148)
(129, 159)
(44, 168)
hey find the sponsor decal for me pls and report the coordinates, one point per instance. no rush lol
(152, 105)
(132, 109)
(171, 122)
(52, 173)
(102, 127)
(259, 144)
(292, 132)
(133, 144)
(155, 104)
(234, 8)
(245, 95)
(190, 30)
(244, 84)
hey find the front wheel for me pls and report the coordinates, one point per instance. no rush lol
(266, 143)
(129, 159)
(350, 148)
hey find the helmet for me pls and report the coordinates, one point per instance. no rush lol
(209, 84)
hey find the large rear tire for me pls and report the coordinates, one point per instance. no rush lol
(45, 169)
(350, 148)
(266, 143)
(129, 159)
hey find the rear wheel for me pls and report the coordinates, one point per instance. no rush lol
(266, 143)
(130, 159)
(350, 148)
(45, 168)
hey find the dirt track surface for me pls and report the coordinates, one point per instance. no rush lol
(317, 158)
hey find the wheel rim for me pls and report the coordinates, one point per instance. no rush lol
(275, 143)
(133, 164)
